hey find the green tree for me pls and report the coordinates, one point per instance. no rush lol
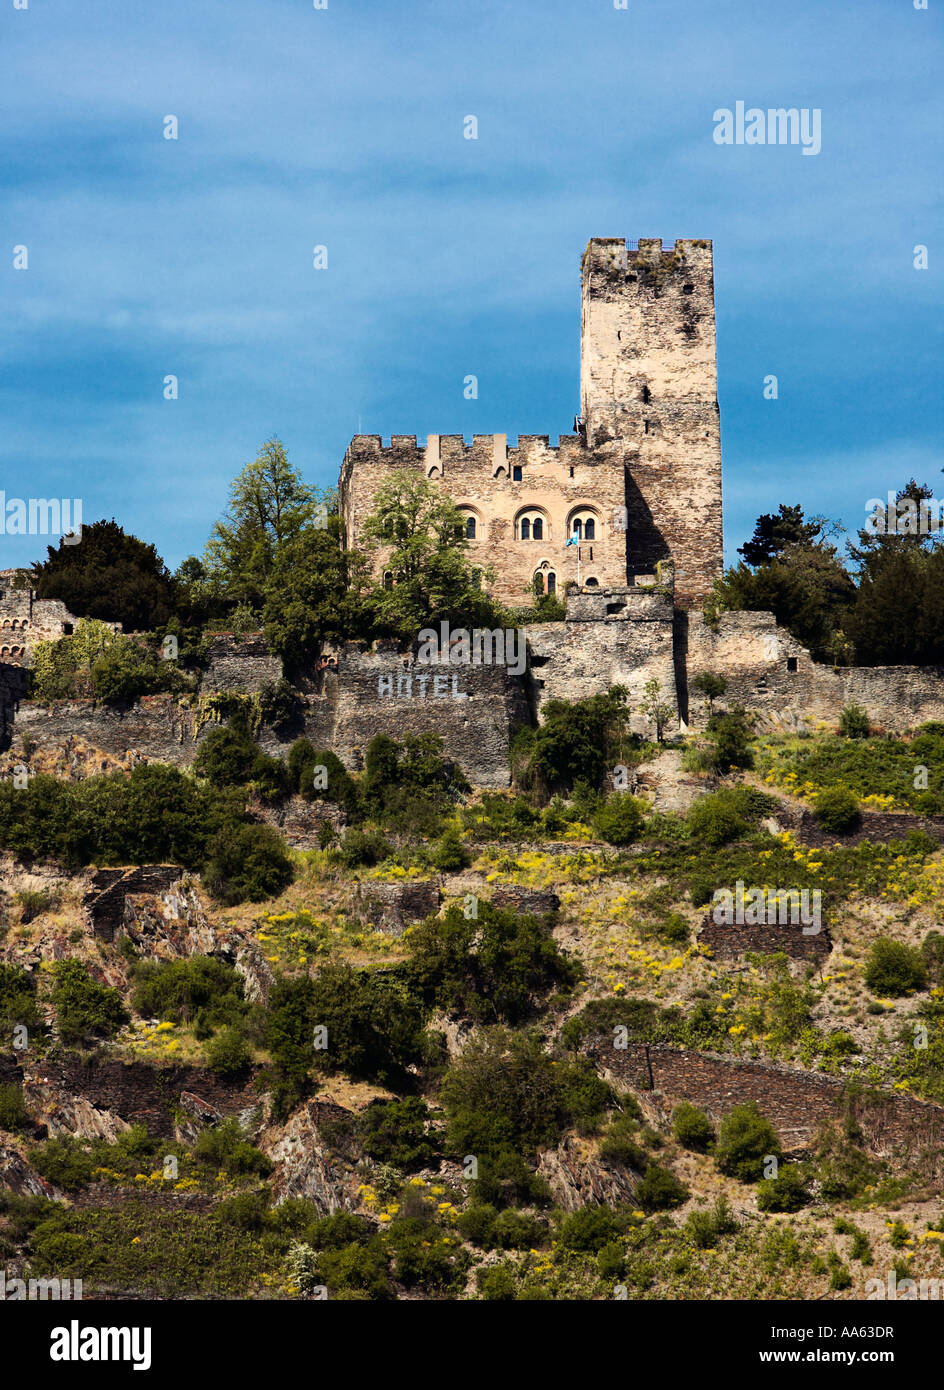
(269, 505)
(417, 534)
(108, 574)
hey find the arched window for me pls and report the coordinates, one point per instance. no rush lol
(578, 527)
(388, 579)
(470, 528)
(592, 583)
(538, 580)
(589, 529)
(537, 529)
(525, 529)
(531, 524)
(582, 523)
(551, 582)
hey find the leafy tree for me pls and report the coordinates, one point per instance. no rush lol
(575, 742)
(418, 534)
(108, 574)
(226, 756)
(488, 968)
(399, 1132)
(745, 1141)
(199, 989)
(773, 534)
(836, 809)
(711, 686)
(895, 968)
(655, 708)
(269, 505)
(620, 819)
(247, 863)
(315, 593)
(692, 1127)
(85, 1010)
(792, 569)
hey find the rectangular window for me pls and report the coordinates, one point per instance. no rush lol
(791, 663)
(516, 473)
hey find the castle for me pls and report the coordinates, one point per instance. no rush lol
(639, 483)
(637, 492)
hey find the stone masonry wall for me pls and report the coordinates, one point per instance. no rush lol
(795, 1102)
(649, 398)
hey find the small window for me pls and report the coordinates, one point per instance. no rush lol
(578, 527)
(592, 583)
(791, 663)
(525, 529)
(470, 528)
(646, 395)
(537, 530)
(589, 530)
(516, 473)
(688, 289)
(388, 579)
(67, 629)
(551, 582)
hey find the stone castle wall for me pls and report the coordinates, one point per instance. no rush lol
(557, 484)
(769, 672)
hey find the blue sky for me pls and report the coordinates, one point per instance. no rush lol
(447, 256)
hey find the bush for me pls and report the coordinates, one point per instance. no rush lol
(620, 819)
(450, 854)
(692, 1127)
(363, 849)
(730, 733)
(86, 1011)
(225, 756)
(854, 722)
(270, 778)
(14, 1115)
(398, 1132)
(588, 1228)
(247, 863)
(716, 819)
(786, 1192)
(199, 989)
(705, 1228)
(836, 810)
(660, 1189)
(894, 968)
(228, 1054)
(488, 968)
(745, 1141)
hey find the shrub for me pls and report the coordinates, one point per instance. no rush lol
(894, 968)
(398, 1132)
(705, 1228)
(488, 968)
(588, 1228)
(620, 819)
(228, 1053)
(64, 1162)
(86, 1011)
(692, 1127)
(14, 1115)
(363, 849)
(517, 1230)
(270, 778)
(716, 819)
(854, 722)
(225, 756)
(451, 854)
(574, 741)
(126, 670)
(730, 733)
(711, 686)
(836, 810)
(247, 863)
(660, 1189)
(198, 989)
(786, 1192)
(496, 1282)
(745, 1141)
(34, 901)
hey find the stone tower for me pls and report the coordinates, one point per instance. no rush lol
(649, 396)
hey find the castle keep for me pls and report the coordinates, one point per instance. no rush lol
(639, 484)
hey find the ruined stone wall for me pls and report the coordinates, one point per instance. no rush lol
(648, 385)
(26, 620)
(557, 484)
(619, 637)
(795, 1102)
(240, 663)
(768, 671)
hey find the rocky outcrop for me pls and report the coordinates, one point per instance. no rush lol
(577, 1178)
(310, 1162)
(16, 1175)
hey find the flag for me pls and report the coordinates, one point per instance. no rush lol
(571, 540)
